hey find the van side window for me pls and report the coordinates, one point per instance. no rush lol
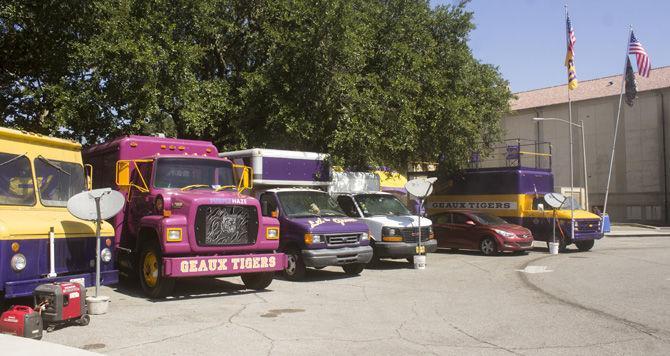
(347, 204)
(268, 204)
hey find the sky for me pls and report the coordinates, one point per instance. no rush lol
(525, 39)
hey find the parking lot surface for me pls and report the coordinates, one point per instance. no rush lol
(612, 300)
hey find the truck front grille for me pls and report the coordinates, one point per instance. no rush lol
(411, 234)
(342, 239)
(222, 225)
(588, 225)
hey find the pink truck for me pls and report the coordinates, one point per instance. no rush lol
(186, 214)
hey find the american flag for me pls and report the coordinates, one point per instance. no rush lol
(571, 37)
(643, 63)
(570, 55)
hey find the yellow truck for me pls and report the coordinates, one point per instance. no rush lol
(40, 241)
(511, 184)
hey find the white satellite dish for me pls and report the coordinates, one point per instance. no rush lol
(555, 200)
(420, 187)
(96, 205)
(83, 205)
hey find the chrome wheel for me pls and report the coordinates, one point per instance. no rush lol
(488, 246)
(291, 260)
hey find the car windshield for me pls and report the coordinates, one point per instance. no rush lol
(298, 204)
(380, 204)
(488, 219)
(16, 180)
(58, 181)
(200, 173)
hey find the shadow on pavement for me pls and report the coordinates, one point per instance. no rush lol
(190, 288)
(315, 275)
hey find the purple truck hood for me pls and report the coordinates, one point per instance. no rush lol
(328, 225)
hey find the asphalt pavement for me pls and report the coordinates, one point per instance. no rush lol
(613, 300)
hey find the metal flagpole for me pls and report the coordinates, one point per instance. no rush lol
(586, 179)
(572, 183)
(618, 115)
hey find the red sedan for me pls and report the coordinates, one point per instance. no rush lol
(473, 230)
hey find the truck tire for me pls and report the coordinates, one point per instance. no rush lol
(295, 267)
(585, 245)
(154, 284)
(488, 246)
(257, 281)
(353, 269)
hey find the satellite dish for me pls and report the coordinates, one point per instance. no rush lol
(420, 187)
(555, 200)
(83, 205)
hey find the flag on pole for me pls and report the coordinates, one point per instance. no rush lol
(631, 85)
(570, 55)
(643, 63)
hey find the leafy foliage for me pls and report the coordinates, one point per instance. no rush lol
(383, 82)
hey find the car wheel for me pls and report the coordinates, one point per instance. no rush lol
(585, 245)
(488, 246)
(353, 269)
(154, 284)
(295, 267)
(257, 281)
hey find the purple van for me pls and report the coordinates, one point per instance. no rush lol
(315, 231)
(185, 215)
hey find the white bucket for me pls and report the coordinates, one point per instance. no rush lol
(419, 262)
(553, 248)
(97, 305)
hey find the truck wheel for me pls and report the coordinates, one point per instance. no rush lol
(257, 281)
(585, 245)
(150, 267)
(353, 269)
(488, 246)
(295, 267)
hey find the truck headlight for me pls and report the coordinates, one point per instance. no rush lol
(365, 236)
(314, 239)
(272, 233)
(105, 255)
(18, 262)
(174, 234)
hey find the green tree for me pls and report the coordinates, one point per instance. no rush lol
(371, 82)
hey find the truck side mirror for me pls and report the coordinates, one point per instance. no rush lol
(89, 176)
(246, 175)
(123, 173)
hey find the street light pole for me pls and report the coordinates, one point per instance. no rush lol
(581, 126)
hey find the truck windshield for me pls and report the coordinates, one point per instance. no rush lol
(58, 181)
(380, 204)
(16, 180)
(298, 204)
(201, 173)
(488, 219)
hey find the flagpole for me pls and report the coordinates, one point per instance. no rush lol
(572, 183)
(618, 115)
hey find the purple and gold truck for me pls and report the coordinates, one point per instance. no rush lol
(40, 241)
(315, 231)
(186, 214)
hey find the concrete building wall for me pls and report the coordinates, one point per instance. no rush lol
(638, 189)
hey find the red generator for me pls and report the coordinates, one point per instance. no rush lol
(21, 320)
(61, 302)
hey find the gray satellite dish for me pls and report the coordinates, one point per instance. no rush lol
(96, 205)
(83, 205)
(420, 187)
(555, 200)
